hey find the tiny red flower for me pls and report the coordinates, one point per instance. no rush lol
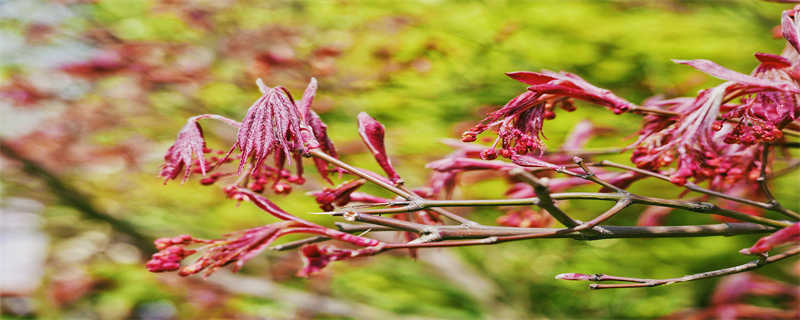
(316, 257)
(519, 122)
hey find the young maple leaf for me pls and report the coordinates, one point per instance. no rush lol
(372, 132)
(189, 144)
(271, 127)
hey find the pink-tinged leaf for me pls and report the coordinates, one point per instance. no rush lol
(530, 78)
(520, 190)
(790, 28)
(366, 198)
(574, 86)
(320, 131)
(468, 150)
(723, 73)
(372, 132)
(528, 161)
(304, 105)
(340, 196)
(772, 61)
(765, 244)
(574, 276)
(235, 248)
(168, 259)
(581, 133)
(270, 207)
(190, 143)
(316, 257)
(272, 126)
(603, 98)
(443, 181)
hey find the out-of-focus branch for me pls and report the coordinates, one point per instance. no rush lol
(71, 196)
(305, 301)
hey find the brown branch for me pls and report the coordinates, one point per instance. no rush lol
(763, 183)
(70, 195)
(694, 206)
(545, 201)
(639, 282)
(691, 186)
(392, 188)
(593, 177)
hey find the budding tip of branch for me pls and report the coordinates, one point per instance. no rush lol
(350, 216)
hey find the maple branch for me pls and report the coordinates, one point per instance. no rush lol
(71, 196)
(693, 187)
(640, 282)
(545, 201)
(694, 206)
(383, 184)
(763, 183)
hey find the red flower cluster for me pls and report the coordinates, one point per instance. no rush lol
(316, 257)
(519, 122)
(723, 151)
(236, 248)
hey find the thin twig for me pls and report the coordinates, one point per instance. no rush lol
(689, 185)
(638, 282)
(609, 232)
(545, 201)
(763, 183)
(593, 177)
(694, 206)
(383, 184)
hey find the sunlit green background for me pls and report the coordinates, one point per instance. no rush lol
(427, 70)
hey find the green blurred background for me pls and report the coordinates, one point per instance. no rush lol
(426, 69)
